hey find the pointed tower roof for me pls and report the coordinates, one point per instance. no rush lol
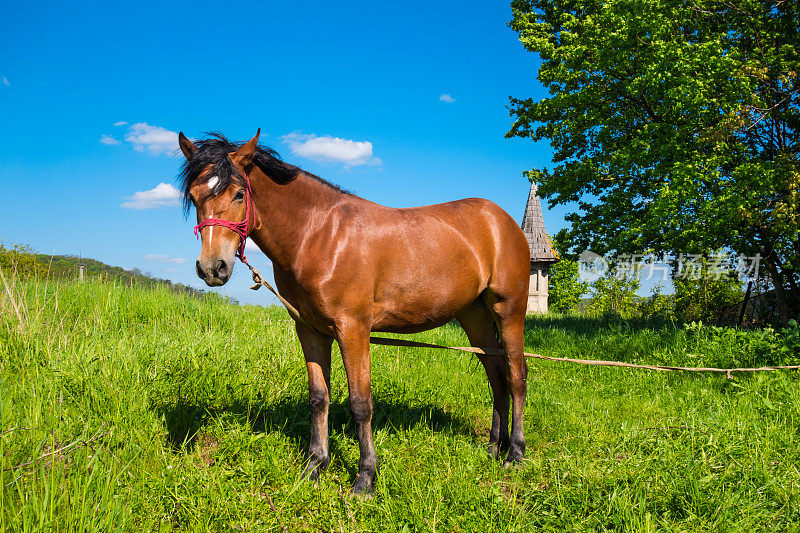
(533, 226)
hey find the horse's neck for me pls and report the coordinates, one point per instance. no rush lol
(286, 214)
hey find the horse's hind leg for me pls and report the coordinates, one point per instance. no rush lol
(479, 327)
(509, 313)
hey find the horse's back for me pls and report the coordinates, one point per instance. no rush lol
(481, 226)
(408, 269)
(434, 261)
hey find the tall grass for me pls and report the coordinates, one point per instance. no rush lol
(127, 408)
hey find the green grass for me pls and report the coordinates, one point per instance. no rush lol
(139, 409)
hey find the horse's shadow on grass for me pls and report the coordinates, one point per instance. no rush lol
(291, 417)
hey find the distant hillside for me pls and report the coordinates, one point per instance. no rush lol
(27, 264)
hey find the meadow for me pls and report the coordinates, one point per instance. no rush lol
(138, 409)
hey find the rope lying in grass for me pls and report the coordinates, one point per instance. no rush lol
(260, 281)
(660, 368)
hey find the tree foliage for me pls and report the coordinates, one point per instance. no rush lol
(704, 297)
(565, 288)
(615, 295)
(658, 305)
(674, 125)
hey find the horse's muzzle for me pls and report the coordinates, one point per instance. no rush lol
(214, 272)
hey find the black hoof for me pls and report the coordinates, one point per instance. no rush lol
(515, 455)
(311, 472)
(493, 450)
(313, 468)
(363, 486)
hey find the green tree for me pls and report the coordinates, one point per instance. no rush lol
(706, 293)
(615, 295)
(658, 304)
(565, 288)
(19, 260)
(674, 125)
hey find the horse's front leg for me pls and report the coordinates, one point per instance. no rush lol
(354, 343)
(317, 352)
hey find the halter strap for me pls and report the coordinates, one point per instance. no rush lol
(240, 228)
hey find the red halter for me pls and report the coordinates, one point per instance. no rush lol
(241, 228)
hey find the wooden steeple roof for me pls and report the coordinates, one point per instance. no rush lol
(533, 226)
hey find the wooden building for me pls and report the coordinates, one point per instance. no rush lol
(542, 253)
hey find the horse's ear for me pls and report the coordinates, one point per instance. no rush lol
(186, 145)
(249, 148)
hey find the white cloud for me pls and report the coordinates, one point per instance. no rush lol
(121, 123)
(159, 258)
(108, 139)
(153, 139)
(446, 98)
(163, 195)
(6, 82)
(327, 148)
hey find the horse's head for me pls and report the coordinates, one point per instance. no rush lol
(221, 197)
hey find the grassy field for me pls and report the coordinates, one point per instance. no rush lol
(142, 410)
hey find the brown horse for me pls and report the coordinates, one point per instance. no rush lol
(350, 266)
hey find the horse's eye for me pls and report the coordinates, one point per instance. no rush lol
(239, 196)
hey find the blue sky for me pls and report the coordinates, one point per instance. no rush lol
(403, 104)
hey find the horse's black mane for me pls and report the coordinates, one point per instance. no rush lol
(214, 151)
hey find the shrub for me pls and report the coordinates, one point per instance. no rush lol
(704, 298)
(613, 295)
(743, 348)
(565, 289)
(658, 305)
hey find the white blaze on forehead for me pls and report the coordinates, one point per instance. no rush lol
(213, 181)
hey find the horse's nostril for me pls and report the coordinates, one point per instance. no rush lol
(222, 268)
(200, 272)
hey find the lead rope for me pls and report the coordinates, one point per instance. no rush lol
(242, 227)
(259, 281)
(384, 341)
